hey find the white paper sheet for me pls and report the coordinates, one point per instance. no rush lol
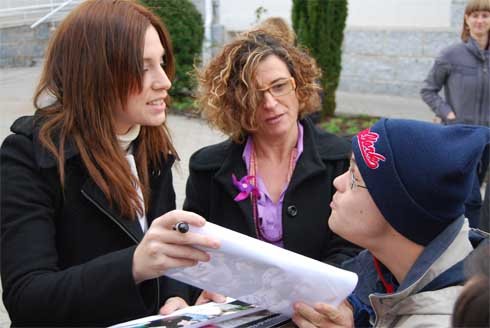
(268, 276)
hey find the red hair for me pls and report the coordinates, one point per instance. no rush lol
(94, 62)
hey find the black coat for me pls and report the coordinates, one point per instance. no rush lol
(66, 256)
(306, 209)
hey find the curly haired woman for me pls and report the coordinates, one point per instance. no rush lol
(273, 178)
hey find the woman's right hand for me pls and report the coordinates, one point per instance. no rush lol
(323, 315)
(207, 296)
(451, 116)
(163, 248)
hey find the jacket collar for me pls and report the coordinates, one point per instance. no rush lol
(435, 259)
(29, 126)
(233, 164)
(308, 164)
(442, 258)
(474, 49)
(446, 251)
(95, 195)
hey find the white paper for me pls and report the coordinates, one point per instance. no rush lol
(194, 316)
(268, 276)
(197, 316)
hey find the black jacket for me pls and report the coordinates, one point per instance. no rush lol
(66, 255)
(306, 209)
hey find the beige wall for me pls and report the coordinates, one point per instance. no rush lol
(399, 13)
(240, 15)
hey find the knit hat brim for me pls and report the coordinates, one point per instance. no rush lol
(419, 174)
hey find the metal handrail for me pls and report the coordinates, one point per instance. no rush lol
(42, 19)
(26, 15)
(21, 9)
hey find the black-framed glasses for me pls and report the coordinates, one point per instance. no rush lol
(353, 181)
(281, 87)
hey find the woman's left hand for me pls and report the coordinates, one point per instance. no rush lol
(173, 304)
(207, 296)
(323, 315)
(177, 303)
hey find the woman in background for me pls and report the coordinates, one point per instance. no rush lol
(463, 70)
(278, 28)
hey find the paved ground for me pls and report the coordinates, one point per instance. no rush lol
(17, 86)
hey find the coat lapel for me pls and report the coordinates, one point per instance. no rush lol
(309, 163)
(159, 193)
(97, 197)
(90, 190)
(233, 164)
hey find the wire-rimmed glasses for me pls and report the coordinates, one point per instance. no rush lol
(353, 181)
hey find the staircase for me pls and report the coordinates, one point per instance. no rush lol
(27, 12)
(25, 28)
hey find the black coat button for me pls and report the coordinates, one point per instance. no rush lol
(292, 211)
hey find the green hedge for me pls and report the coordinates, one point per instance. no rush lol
(319, 26)
(186, 28)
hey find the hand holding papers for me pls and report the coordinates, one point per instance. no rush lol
(265, 275)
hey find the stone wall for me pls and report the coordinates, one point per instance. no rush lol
(23, 46)
(394, 61)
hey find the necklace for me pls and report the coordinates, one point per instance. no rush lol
(255, 210)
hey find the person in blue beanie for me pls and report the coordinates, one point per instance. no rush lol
(403, 200)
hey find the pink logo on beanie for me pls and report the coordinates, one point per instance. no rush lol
(366, 140)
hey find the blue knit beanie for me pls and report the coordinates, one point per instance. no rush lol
(419, 174)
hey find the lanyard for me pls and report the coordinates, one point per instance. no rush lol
(390, 288)
(255, 210)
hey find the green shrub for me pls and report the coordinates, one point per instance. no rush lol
(185, 25)
(348, 125)
(319, 26)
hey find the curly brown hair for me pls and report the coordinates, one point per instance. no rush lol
(228, 91)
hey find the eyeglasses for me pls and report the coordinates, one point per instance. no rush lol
(353, 181)
(281, 87)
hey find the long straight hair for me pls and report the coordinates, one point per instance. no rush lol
(93, 63)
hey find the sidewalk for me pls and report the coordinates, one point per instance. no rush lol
(383, 106)
(17, 87)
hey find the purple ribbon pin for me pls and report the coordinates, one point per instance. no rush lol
(245, 187)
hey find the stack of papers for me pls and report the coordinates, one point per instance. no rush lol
(231, 314)
(265, 275)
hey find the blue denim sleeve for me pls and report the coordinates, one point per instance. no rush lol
(362, 312)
